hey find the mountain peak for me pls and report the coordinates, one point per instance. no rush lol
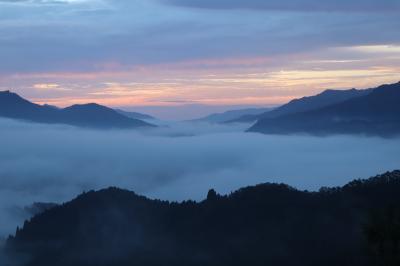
(13, 100)
(86, 105)
(8, 93)
(372, 111)
(84, 115)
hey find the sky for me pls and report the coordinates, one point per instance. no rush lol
(191, 55)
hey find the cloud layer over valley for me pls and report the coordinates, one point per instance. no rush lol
(40, 163)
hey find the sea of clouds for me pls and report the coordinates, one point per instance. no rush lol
(54, 163)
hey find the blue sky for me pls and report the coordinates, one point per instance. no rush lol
(175, 52)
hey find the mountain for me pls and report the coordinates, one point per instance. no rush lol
(39, 207)
(232, 115)
(87, 115)
(269, 224)
(135, 115)
(377, 113)
(97, 116)
(326, 98)
(51, 106)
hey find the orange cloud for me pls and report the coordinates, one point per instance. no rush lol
(250, 81)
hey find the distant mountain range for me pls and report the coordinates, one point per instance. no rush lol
(232, 115)
(87, 115)
(269, 224)
(304, 104)
(370, 112)
(135, 115)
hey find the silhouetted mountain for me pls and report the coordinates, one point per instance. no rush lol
(377, 113)
(87, 115)
(98, 116)
(135, 115)
(232, 115)
(268, 224)
(304, 104)
(13, 106)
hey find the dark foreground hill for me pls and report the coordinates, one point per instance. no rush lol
(87, 115)
(377, 113)
(269, 224)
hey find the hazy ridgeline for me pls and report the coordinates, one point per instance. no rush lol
(42, 163)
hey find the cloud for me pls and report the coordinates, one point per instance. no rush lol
(41, 163)
(49, 2)
(296, 5)
(134, 34)
(46, 86)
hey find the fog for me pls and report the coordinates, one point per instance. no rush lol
(43, 163)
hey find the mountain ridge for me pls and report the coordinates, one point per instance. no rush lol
(376, 113)
(263, 224)
(231, 115)
(308, 103)
(89, 115)
(135, 115)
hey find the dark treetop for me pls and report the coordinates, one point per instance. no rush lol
(268, 224)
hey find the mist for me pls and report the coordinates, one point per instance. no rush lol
(54, 163)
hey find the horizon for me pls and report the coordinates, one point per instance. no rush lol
(187, 111)
(171, 53)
